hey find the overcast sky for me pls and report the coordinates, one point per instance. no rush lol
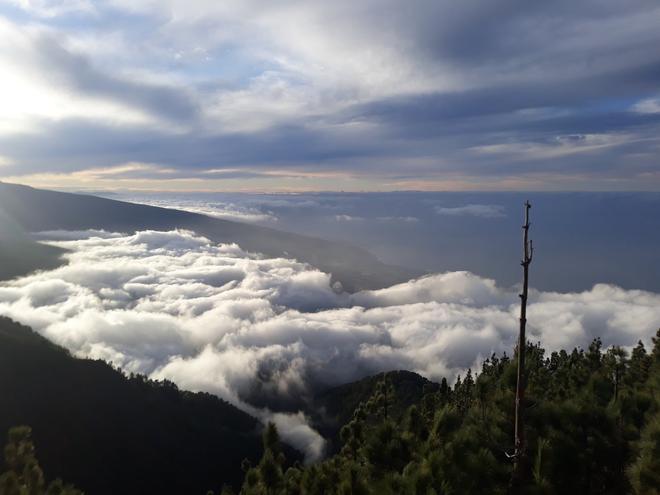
(330, 95)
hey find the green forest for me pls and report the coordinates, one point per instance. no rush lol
(592, 424)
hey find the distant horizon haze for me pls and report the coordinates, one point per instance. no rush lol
(581, 238)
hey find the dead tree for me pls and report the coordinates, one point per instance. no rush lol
(519, 433)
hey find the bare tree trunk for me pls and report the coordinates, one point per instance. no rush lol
(519, 435)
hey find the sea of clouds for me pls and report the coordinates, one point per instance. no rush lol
(266, 333)
(240, 211)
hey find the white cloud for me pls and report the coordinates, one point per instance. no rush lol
(216, 318)
(349, 218)
(649, 105)
(476, 210)
(295, 428)
(216, 209)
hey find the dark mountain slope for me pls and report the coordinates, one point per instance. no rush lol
(35, 210)
(19, 253)
(110, 434)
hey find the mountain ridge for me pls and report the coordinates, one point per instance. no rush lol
(38, 210)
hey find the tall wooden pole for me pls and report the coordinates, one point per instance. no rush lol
(519, 435)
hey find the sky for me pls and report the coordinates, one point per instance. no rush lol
(239, 95)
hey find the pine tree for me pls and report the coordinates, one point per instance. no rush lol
(25, 476)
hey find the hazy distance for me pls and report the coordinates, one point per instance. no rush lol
(594, 237)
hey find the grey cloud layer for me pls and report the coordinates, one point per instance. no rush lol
(430, 90)
(270, 331)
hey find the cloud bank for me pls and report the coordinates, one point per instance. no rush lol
(265, 333)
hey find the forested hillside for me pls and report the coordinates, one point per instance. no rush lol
(333, 408)
(592, 424)
(110, 434)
